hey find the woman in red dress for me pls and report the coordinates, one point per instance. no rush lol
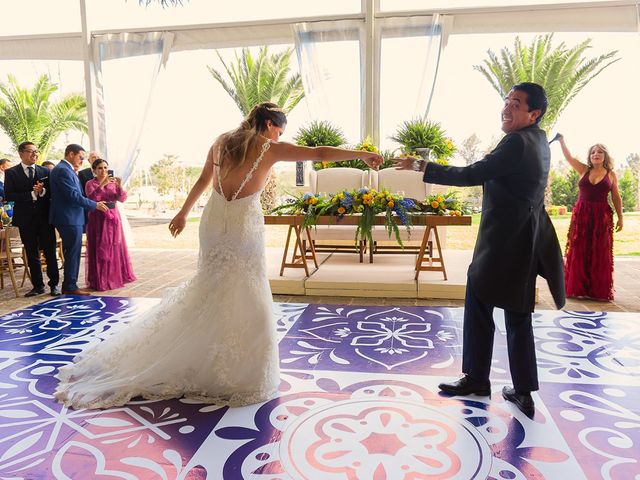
(108, 264)
(588, 268)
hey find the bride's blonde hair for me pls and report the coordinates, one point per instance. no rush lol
(234, 144)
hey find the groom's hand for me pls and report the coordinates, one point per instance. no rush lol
(102, 207)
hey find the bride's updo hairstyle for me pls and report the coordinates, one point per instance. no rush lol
(234, 144)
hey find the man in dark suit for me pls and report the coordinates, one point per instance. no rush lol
(86, 174)
(67, 213)
(5, 164)
(516, 242)
(26, 185)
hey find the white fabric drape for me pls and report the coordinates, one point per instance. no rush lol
(429, 36)
(318, 69)
(122, 101)
(321, 77)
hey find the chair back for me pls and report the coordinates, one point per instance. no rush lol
(333, 180)
(406, 181)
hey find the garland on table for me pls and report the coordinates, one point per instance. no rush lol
(367, 203)
(447, 204)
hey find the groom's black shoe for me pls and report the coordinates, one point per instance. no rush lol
(55, 291)
(523, 401)
(34, 291)
(466, 386)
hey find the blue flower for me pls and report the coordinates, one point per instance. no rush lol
(307, 196)
(363, 190)
(407, 203)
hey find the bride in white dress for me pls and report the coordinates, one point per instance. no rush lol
(212, 339)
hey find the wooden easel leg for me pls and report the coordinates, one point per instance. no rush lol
(423, 246)
(298, 245)
(435, 233)
(286, 249)
(312, 247)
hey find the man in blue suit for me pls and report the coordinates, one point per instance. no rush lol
(67, 213)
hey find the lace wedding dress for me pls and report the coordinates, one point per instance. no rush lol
(212, 339)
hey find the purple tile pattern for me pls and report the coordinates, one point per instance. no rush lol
(358, 399)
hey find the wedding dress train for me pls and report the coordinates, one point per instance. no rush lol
(212, 339)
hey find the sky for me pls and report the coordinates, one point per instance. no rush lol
(189, 109)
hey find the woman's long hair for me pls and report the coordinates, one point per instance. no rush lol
(234, 144)
(608, 161)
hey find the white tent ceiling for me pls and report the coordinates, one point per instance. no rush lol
(614, 16)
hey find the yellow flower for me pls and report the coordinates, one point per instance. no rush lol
(341, 196)
(325, 164)
(390, 204)
(341, 210)
(434, 204)
(313, 200)
(440, 198)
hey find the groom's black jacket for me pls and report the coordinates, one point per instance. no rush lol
(516, 239)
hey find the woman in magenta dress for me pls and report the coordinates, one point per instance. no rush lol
(108, 264)
(588, 269)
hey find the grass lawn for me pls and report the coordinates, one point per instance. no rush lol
(626, 242)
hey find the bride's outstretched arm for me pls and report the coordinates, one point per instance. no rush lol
(180, 220)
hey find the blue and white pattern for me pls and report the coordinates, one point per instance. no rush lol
(358, 399)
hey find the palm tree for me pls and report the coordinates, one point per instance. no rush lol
(251, 80)
(30, 115)
(263, 78)
(562, 71)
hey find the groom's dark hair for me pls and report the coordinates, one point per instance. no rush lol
(73, 148)
(536, 97)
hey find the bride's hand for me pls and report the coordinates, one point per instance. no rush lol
(374, 160)
(177, 224)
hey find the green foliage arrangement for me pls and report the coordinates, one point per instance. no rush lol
(320, 133)
(422, 133)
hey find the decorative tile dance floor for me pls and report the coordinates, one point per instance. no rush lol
(358, 400)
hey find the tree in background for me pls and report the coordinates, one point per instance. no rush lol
(628, 190)
(562, 71)
(633, 161)
(263, 78)
(564, 188)
(31, 115)
(470, 149)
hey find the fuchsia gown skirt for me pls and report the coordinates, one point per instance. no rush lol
(108, 266)
(589, 255)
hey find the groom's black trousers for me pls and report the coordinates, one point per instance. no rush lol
(477, 347)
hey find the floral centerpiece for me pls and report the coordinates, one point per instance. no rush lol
(365, 202)
(447, 204)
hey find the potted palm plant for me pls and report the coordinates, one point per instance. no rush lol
(425, 138)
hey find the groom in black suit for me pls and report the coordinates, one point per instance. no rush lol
(516, 243)
(26, 185)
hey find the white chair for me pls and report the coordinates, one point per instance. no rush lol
(332, 180)
(409, 184)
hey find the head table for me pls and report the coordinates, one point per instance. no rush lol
(303, 251)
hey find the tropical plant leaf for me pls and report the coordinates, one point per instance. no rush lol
(32, 115)
(562, 71)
